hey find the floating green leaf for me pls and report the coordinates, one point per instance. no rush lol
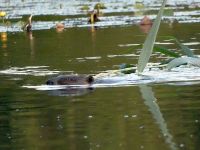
(150, 40)
(183, 60)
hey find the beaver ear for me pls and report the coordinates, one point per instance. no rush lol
(90, 79)
(49, 82)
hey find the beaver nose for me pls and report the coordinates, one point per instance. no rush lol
(49, 82)
(90, 79)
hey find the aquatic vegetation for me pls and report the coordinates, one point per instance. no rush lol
(148, 48)
(100, 6)
(139, 5)
(165, 51)
(127, 68)
(20, 24)
(49, 21)
(110, 118)
(149, 42)
(183, 60)
(184, 57)
(2, 15)
(184, 48)
(4, 23)
(85, 8)
(116, 20)
(190, 58)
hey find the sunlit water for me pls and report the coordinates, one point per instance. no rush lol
(159, 110)
(111, 15)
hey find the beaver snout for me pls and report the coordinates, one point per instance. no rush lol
(90, 79)
(49, 82)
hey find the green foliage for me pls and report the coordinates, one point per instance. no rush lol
(128, 71)
(165, 51)
(190, 59)
(186, 50)
(7, 23)
(149, 42)
(169, 12)
(127, 68)
(20, 24)
(160, 49)
(148, 47)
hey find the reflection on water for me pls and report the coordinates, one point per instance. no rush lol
(29, 70)
(32, 46)
(70, 91)
(4, 40)
(151, 102)
(115, 113)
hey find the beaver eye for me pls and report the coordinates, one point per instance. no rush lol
(49, 82)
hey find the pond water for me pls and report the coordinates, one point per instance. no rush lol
(159, 113)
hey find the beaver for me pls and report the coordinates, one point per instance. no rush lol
(71, 80)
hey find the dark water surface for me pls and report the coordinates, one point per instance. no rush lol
(149, 116)
(103, 118)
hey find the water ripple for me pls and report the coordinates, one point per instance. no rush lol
(29, 70)
(71, 9)
(183, 75)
